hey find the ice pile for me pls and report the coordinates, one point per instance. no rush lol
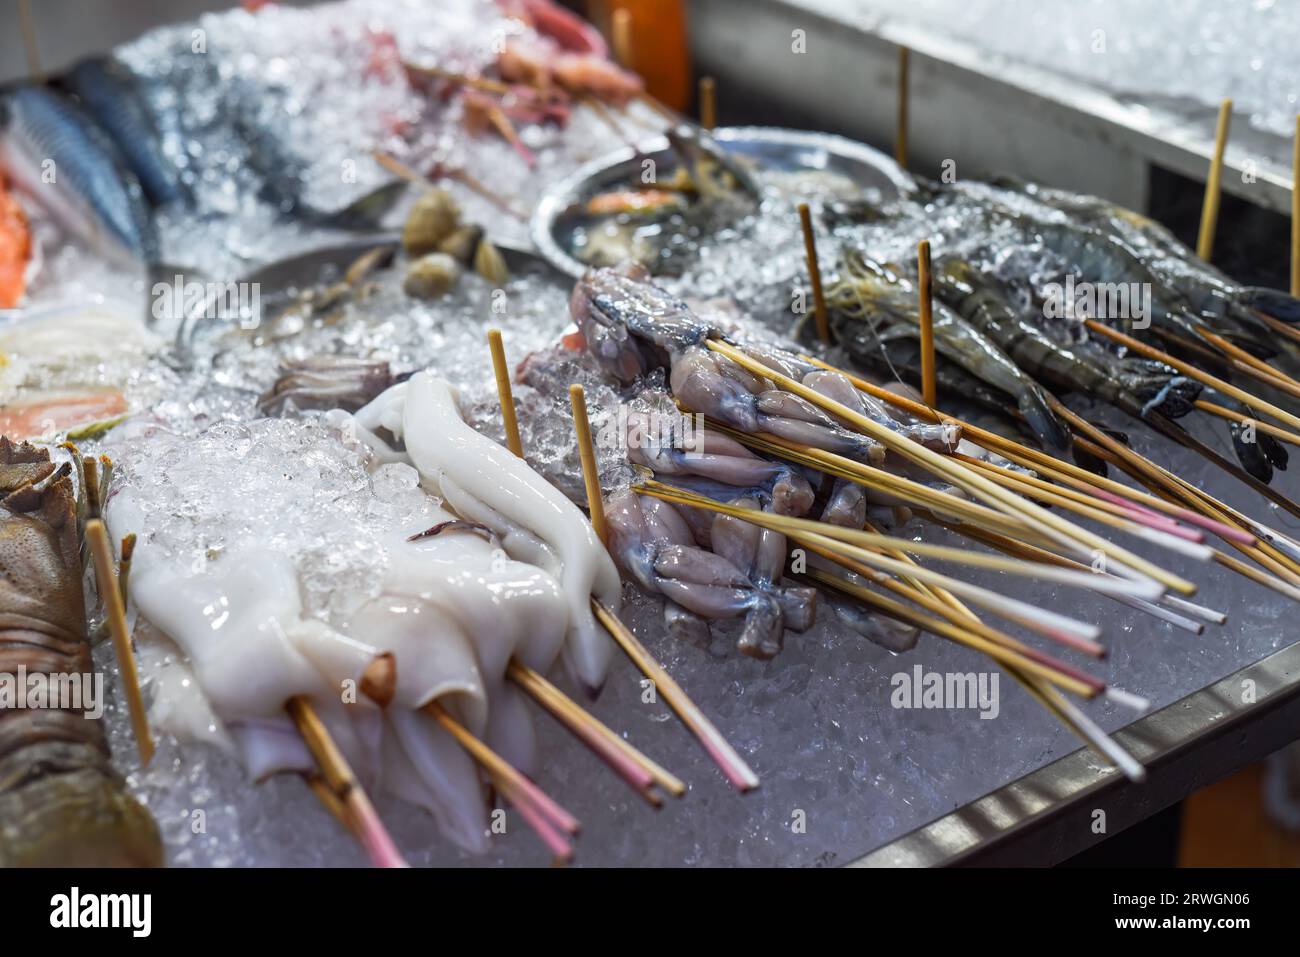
(279, 111)
(1201, 50)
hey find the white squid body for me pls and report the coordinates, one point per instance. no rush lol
(453, 611)
(486, 483)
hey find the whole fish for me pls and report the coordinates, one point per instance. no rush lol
(872, 303)
(108, 92)
(286, 174)
(53, 152)
(61, 802)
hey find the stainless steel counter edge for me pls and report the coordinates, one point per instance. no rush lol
(991, 107)
(1052, 813)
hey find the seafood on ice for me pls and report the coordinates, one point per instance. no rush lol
(440, 574)
(61, 801)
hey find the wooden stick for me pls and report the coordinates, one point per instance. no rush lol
(867, 540)
(939, 600)
(1046, 694)
(900, 132)
(1295, 210)
(481, 83)
(126, 551)
(1210, 208)
(587, 455)
(28, 27)
(1104, 513)
(1012, 547)
(320, 787)
(1054, 526)
(620, 28)
(402, 170)
(582, 725)
(359, 813)
(723, 754)
(814, 274)
(504, 392)
(1189, 370)
(111, 595)
(1260, 367)
(952, 632)
(708, 102)
(662, 777)
(502, 771)
(1060, 471)
(1266, 428)
(929, 391)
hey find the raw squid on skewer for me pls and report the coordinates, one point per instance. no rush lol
(485, 483)
(443, 607)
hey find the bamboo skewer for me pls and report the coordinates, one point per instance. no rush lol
(111, 595)
(1295, 210)
(940, 601)
(596, 735)
(708, 102)
(1046, 694)
(537, 808)
(620, 29)
(1255, 549)
(732, 765)
(1101, 486)
(126, 551)
(1210, 208)
(1227, 388)
(730, 762)
(402, 170)
(1282, 435)
(814, 274)
(357, 811)
(1062, 471)
(30, 46)
(1030, 553)
(724, 755)
(1262, 370)
(625, 760)
(1105, 513)
(587, 455)
(929, 390)
(1068, 631)
(950, 631)
(1053, 526)
(900, 131)
(504, 392)
(868, 540)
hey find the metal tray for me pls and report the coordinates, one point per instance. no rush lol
(770, 147)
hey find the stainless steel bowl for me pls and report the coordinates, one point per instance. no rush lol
(770, 148)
